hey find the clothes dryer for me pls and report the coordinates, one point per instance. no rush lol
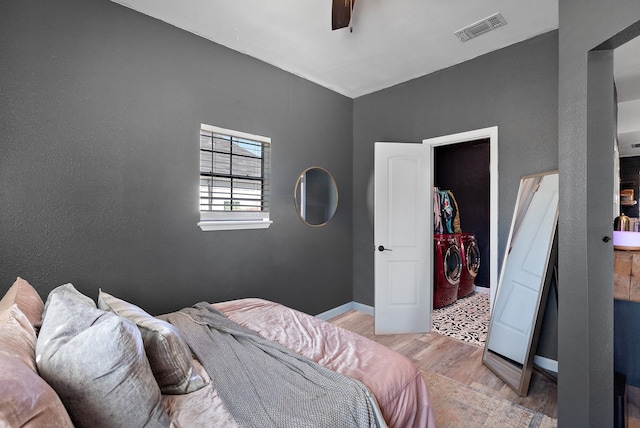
(447, 268)
(470, 263)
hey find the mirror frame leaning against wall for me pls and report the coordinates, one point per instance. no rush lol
(535, 215)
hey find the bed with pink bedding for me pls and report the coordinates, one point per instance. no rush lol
(72, 362)
(393, 379)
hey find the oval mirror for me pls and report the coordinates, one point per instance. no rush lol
(316, 196)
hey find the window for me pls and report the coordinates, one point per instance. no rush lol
(234, 179)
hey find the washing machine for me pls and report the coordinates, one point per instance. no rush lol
(447, 268)
(470, 263)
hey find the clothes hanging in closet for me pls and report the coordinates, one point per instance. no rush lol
(446, 215)
(437, 215)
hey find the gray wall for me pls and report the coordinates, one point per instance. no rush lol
(514, 88)
(586, 128)
(101, 108)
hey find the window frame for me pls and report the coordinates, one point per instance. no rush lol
(235, 220)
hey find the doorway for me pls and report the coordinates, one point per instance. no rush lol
(414, 183)
(488, 136)
(461, 174)
(463, 169)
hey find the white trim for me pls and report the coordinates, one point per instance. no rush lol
(208, 226)
(233, 133)
(492, 134)
(332, 313)
(546, 363)
(237, 216)
(363, 308)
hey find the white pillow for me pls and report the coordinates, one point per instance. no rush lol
(96, 363)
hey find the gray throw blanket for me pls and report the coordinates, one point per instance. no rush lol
(263, 384)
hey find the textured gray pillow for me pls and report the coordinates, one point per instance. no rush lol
(168, 354)
(96, 363)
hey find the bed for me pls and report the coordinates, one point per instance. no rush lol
(394, 380)
(142, 374)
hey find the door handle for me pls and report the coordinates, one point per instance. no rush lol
(381, 248)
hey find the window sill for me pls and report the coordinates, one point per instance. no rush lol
(210, 225)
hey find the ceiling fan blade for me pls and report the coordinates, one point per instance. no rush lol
(341, 13)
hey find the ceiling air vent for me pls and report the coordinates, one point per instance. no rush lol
(474, 30)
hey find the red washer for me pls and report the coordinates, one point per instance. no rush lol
(471, 263)
(447, 268)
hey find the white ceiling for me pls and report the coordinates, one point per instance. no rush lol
(392, 41)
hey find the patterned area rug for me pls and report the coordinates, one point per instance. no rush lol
(457, 405)
(466, 319)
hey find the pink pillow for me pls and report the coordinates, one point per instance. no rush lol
(26, 400)
(27, 299)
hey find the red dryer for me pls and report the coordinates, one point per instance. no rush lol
(471, 263)
(447, 268)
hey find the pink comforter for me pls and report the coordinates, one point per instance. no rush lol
(392, 378)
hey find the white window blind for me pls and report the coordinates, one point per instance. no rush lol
(234, 179)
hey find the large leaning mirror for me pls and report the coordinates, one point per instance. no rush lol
(526, 273)
(316, 196)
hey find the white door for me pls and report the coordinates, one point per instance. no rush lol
(402, 239)
(517, 301)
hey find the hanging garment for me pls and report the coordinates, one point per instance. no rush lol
(437, 215)
(446, 209)
(457, 228)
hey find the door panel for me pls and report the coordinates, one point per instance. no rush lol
(403, 245)
(404, 276)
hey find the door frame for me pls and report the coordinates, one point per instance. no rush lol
(492, 134)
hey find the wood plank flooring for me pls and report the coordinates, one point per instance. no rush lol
(456, 360)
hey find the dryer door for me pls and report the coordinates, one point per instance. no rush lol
(453, 264)
(472, 254)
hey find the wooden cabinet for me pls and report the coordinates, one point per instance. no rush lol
(626, 275)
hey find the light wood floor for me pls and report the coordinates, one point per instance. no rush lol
(456, 360)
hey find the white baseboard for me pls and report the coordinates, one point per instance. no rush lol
(331, 313)
(363, 308)
(546, 363)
